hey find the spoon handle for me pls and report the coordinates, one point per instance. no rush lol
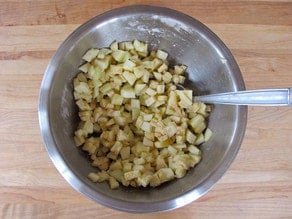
(263, 97)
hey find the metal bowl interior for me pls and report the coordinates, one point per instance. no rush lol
(211, 69)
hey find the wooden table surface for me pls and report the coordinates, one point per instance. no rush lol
(259, 182)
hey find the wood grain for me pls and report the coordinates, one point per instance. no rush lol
(259, 182)
(74, 12)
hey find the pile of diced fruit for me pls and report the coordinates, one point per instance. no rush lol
(136, 126)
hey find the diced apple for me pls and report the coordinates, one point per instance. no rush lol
(166, 77)
(106, 88)
(129, 65)
(115, 69)
(139, 121)
(179, 69)
(135, 113)
(195, 121)
(139, 71)
(103, 52)
(182, 79)
(171, 129)
(117, 99)
(139, 87)
(120, 55)
(131, 175)
(172, 103)
(125, 154)
(113, 183)
(82, 88)
(161, 54)
(200, 127)
(145, 77)
(186, 97)
(148, 142)
(200, 139)
(190, 137)
(162, 68)
(149, 65)
(161, 144)
(149, 101)
(130, 77)
(208, 134)
(194, 150)
(147, 117)
(157, 63)
(94, 177)
(114, 46)
(104, 63)
(95, 73)
(121, 121)
(160, 88)
(126, 45)
(127, 91)
(165, 174)
(84, 68)
(90, 54)
(140, 46)
(158, 104)
(150, 92)
(135, 103)
(157, 76)
(175, 79)
(146, 127)
(117, 147)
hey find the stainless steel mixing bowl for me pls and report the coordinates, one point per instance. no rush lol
(211, 69)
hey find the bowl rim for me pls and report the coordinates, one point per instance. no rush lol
(69, 175)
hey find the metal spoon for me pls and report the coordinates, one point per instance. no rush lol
(263, 97)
